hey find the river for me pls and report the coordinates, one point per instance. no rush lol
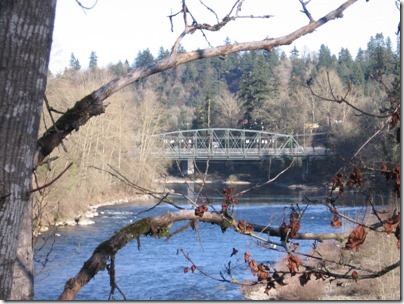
(156, 271)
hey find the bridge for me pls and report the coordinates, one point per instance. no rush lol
(233, 144)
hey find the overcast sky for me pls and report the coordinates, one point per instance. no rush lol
(119, 29)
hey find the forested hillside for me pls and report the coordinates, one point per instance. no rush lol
(272, 91)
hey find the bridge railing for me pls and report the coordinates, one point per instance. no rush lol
(228, 144)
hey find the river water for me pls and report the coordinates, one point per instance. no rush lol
(156, 271)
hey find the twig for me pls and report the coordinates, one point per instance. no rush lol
(87, 7)
(112, 279)
(265, 183)
(342, 100)
(305, 10)
(52, 181)
(49, 108)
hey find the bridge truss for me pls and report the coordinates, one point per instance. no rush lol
(220, 143)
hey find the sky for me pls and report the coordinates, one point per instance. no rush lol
(118, 29)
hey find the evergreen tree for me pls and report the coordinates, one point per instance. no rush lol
(93, 64)
(162, 53)
(228, 69)
(380, 56)
(325, 59)
(356, 75)
(297, 74)
(254, 87)
(345, 65)
(272, 57)
(143, 58)
(294, 52)
(74, 63)
(120, 68)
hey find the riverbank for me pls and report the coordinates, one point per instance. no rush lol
(378, 251)
(85, 217)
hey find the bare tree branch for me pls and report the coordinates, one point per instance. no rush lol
(52, 181)
(158, 226)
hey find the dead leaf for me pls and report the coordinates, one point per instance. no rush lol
(253, 266)
(355, 276)
(356, 238)
(336, 222)
(304, 278)
(338, 182)
(355, 178)
(245, 227)
(279, 279)
(200, 210)
(247, 257)
(293, 264)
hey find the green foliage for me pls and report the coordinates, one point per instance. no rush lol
(120, 68)
(143, 58)
(325, 59)
(93, 64)
(254, 86)
(74, 63)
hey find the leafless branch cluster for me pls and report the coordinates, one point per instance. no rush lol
(191, 25)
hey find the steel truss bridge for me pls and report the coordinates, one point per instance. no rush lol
(231, 144)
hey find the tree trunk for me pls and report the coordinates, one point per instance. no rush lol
(25, 38)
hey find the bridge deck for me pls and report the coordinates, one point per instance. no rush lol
(236, 154)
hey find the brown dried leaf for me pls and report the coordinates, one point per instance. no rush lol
(338, 182)
(200, 210)
(294, 228)
(355, 276)
(336, 222)
(245, 227)
(393, 175)
(356, 238)
(355, 178)
(247, 257)
(293, 263)
(392, 223)
(263, 272)
(253, 266)
(397, 234)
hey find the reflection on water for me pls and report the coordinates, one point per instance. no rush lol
(156, 271)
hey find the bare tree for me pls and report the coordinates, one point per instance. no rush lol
(229, 109)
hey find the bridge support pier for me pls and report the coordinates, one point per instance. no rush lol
(187, 167)
(305, 167)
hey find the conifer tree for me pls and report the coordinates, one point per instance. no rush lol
(74, 63)
(93, 61)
